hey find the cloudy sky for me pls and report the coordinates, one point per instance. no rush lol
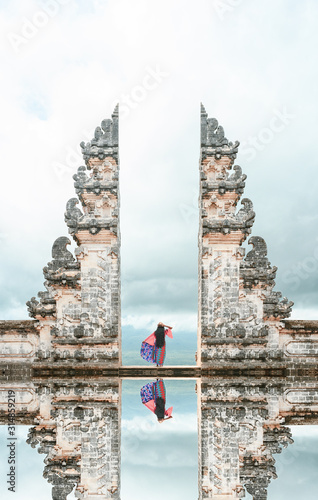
(64, 65)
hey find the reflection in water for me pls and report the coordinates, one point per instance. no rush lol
(242, 424)
(153, 396)
(78, 430)
(168, 451)
(240, 429)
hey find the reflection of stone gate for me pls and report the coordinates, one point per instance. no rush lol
(242, 424)
(255, 369)
(77, 426)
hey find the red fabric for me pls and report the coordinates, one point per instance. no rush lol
(168, 332)
(151, 339)
(151, 405)
(169, 411)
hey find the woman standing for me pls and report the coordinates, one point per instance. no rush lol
(153, 349)
(153, 396)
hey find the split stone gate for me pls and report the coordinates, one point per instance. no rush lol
(256, 370)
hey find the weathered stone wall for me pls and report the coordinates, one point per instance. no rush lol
(19, 341)
(298, 340)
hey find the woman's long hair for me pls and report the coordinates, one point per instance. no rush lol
(160, 336)
(160, 408)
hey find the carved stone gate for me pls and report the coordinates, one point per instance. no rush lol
(255, 369)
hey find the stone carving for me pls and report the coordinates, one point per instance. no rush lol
(72, 215)
(255, 268)
(233, 290)
(213, 140)
(46, 307)
(61, 487)
(256, 271)
(274, 308)
(257, 257)
(63, 269)
(237, 175)
(257, 472)
(246, 213)
(238, 437)
(97, 182)
(242, 221)
(80, 178)
(59, 252)
(225, 183)
(105, 139)
(81, 307)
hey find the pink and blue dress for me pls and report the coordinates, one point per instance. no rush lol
(149, 393)
(150, 352)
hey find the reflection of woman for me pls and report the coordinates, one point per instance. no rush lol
(153, 349)
(153, 396)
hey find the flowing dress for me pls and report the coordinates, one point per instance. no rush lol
(150, 352)
(152, 391)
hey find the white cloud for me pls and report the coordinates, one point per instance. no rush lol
(179, 321)
(145, 426)
(304, 431)
(307, 314)
(145, 442)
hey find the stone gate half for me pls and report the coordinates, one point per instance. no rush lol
(78, 315)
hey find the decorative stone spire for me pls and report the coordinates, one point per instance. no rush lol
(105, 141)
(213, 140)
(237, 305)
(79, 314)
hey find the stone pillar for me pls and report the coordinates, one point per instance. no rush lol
(239, 314)
(221, 233)
(78, 317)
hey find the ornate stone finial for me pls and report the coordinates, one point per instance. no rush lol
(242, 221)
(213, 140)
(256, 271)
(59, 252)
(63, 269)
(72, 215)
(105, 141)
(256, 268)
(246, 214)
(237, 175)
(258, 255)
